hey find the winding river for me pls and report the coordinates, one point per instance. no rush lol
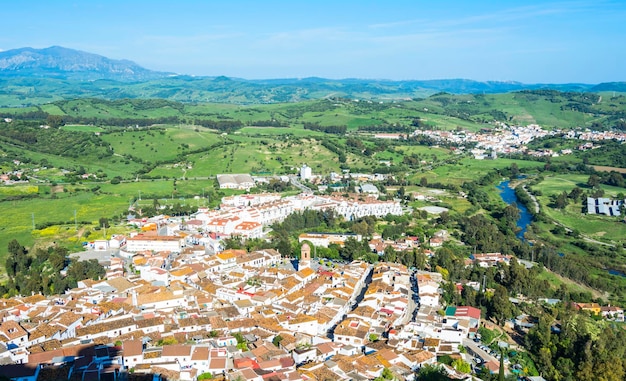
(525, 218)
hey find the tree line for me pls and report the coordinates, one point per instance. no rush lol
(337, 130)
(40, 272)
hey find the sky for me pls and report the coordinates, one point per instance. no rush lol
(527, 41)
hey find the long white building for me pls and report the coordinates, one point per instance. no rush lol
(143, 242)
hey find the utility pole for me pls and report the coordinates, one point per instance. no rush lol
(75, 222)
(33, 217)
(139, 195)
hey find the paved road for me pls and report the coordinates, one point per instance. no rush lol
(412, 305)
(297, 184)
(532, 197)
(359, 298)
(472, 347)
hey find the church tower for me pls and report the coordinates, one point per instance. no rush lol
(305, 256)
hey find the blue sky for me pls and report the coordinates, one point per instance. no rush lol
(527, 41)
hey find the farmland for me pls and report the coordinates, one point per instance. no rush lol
(112, 155)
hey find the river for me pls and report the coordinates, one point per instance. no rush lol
(525, 218)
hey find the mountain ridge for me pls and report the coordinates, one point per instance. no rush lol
(33, 76)
(61, 62)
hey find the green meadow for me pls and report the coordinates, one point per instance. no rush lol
(176, 160)
(602, 228)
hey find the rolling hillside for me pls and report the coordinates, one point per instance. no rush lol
(37, 76)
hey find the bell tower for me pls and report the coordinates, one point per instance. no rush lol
(305, 256)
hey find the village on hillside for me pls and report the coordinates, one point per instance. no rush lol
(175, 303)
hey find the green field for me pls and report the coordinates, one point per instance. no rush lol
(556, 281)
(468, 169)
(176, 160)
(112, 200)
(603, 228)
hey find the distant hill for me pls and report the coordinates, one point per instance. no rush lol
(60, 62)
(610, 86)
(35, 76)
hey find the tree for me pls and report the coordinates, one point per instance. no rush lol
(54, 121)
(57, 258)
(277, 339)
(593, 181)
(514, 170)
(233, 243)
(501, 369)
(389, 254)
(575, 193)
(420, 259)
(241, 341)
(352, 249)
(423, 182)
(103, 222)
(361, 228)
(500, 306)
(462, 366)
(561, 201)
(385, 375)
(432, 373)
(283, 245)
(15, 248)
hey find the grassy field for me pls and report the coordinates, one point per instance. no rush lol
(18, 190)
(556, 281)
(112, 165)
(112, 200)
(468, 169)
(604, 228)
(162, 144)
(88, 207)
(197, 154)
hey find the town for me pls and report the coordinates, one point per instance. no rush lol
(176, 303)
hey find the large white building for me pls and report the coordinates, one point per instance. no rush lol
(250, 199)
(352, 209)
(325, 239)
(142, 242)
(236, 181)
(305, 172)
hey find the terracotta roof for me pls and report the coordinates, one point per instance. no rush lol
(156, 297)
(33, 299)
(200, 353)
(132, 348)
(176, 351)
(105, 326)
(217, 363)
(120, 284)
(306, 272)
(301, 318)
(68, 318)
(12, 330)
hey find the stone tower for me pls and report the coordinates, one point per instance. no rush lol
(305, 256)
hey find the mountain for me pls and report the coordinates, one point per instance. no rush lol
(34, 76)
(610, 86)
(64, 63)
